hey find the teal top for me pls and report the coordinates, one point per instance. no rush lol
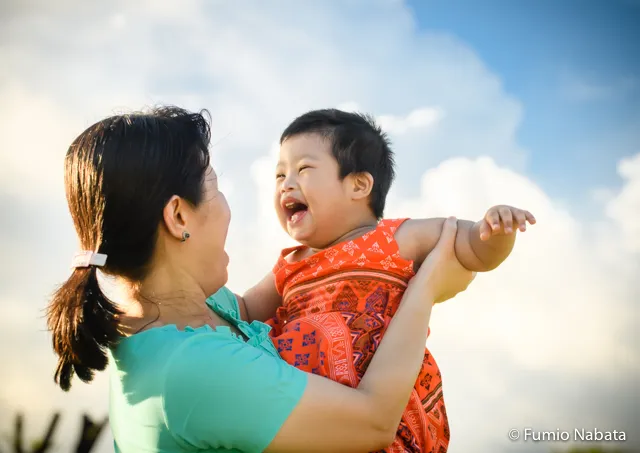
(201, 389)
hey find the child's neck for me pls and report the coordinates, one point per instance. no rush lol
(360, 229)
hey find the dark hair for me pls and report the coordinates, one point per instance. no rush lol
(119, 175)
(357, 143)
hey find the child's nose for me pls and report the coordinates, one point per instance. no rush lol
(288, 184)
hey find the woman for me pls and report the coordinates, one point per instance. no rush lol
(188, 374)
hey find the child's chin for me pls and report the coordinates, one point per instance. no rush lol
(299, 235)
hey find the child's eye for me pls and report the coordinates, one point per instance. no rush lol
(303, 167)
(279, 175)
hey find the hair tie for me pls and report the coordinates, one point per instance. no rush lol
(88, 258)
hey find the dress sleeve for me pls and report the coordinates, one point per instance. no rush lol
(220, 392)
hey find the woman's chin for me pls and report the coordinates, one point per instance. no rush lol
(219, 271)
(221, 279)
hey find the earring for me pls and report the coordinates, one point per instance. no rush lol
(185, 236)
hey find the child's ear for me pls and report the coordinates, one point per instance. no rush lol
(362, 184)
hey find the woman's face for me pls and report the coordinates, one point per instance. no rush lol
(208, 235)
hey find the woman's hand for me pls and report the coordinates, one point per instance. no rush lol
(441, 275)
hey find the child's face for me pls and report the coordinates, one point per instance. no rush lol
(310, 199)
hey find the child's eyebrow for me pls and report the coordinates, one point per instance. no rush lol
(310, 157)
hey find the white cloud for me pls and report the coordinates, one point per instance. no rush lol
(349, 107)
(417, 119)
(556, 314)
(548, 259)
(32, 149)
(625, 208)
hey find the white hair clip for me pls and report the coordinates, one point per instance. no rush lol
(88, 258)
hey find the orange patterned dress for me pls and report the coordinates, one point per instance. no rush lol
(336, 307)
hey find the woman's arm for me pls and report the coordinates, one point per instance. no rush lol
(333, 417)
(220, 392)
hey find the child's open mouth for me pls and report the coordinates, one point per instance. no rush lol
(295, 211)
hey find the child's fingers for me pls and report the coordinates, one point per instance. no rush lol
(493, 220)
(507, 219)
(485, 230)
(530, 217)
(520, 219)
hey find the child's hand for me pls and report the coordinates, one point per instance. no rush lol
(499, 220)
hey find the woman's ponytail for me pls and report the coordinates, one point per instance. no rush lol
(119, 175)
(83, 323)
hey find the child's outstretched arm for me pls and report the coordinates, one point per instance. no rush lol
(480, 246)
(260, 302)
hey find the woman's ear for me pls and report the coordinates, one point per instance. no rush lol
(175, 216)
(362, 185)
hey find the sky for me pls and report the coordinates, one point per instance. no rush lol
(574, 64)
(532, 103)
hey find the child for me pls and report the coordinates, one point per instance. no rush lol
(335, 294)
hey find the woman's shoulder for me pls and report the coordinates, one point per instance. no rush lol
(167, 341)
(224, 300)
(220, 381)
(154, 348)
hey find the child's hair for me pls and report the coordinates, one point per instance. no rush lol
(357, 143)
(119, 175)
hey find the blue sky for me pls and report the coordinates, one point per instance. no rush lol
(574, 65)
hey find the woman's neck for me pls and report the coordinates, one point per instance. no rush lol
(161, 299)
